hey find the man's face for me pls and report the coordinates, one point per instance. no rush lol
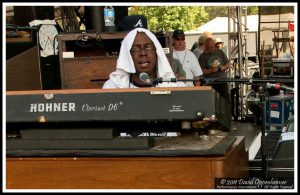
(179, 43)
(210, 46)
(143, 53)
(219, 45)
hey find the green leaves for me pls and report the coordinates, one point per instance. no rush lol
(170, 18)
(186, 18)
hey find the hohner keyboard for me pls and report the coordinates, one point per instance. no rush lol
(155, 104)
(94, 118)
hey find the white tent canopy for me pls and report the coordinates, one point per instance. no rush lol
(220, 24)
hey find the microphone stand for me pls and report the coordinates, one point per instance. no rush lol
(262, 95)
(263, 92)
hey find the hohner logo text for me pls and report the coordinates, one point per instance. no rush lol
(52, 107)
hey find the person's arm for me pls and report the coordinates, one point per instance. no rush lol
(207, 71)
(225, 66)
(197, 81)
(179, 77)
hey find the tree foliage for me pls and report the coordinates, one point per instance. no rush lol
(222, 11)
(169, 18)
(252, 10)
(216, 11)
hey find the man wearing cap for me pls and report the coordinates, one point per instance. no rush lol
(218, 43)
(187, 58)
(196, 44)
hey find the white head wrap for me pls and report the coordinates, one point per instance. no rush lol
(125, 64)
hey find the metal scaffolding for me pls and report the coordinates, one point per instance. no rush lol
(237, 44)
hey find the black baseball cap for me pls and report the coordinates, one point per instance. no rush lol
(178, 33)
(133, 21)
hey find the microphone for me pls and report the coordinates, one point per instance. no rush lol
(279, 87)
(145, 78)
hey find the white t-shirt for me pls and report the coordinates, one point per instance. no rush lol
(189, 63)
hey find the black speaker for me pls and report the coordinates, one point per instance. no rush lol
(50, 72)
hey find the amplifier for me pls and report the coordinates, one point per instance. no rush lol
(282, 67)
(278, 109)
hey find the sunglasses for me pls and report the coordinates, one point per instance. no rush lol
(180, 39)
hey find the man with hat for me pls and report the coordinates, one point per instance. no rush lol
(187, 58)
(218, 43)
(196, 44)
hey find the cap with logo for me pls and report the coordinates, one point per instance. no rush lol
(178, 33)
(133, 21)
